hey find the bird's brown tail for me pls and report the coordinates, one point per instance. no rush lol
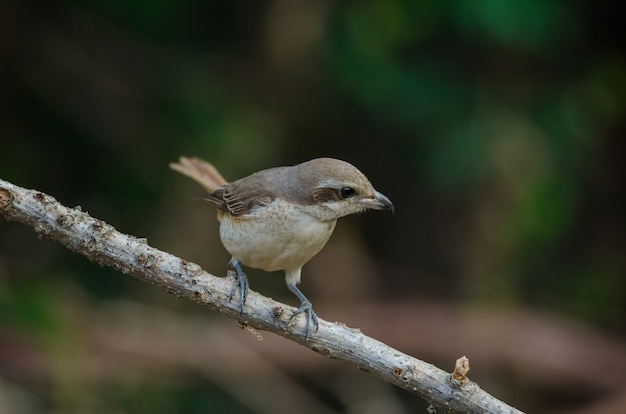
(200, 171)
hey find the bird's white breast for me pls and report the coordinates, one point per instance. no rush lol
(279, 236)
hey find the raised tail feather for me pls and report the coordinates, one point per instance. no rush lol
(200, 171)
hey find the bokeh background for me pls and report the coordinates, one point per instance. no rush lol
(496, 127)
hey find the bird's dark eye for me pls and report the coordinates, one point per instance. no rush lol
(346, 192)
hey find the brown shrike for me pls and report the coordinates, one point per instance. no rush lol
(279, 218)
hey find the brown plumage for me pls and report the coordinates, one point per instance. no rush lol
(279, 218)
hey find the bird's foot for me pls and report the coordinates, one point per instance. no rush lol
(241, 282)
(311, 317)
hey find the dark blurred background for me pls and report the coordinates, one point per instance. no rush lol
(496, 127)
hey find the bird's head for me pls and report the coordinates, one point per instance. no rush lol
(338, 189)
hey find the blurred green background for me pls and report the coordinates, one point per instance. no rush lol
(496, 127)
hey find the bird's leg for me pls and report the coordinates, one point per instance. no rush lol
(241, 283)
(305, 307)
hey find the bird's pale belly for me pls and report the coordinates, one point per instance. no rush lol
(275, 237)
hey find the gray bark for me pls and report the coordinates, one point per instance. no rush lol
(104, 245)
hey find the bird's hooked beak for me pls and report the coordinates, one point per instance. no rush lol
(379, 202)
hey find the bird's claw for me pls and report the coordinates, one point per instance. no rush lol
(241, 282)
(311, 317)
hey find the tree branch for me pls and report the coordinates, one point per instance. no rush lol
(102, 244)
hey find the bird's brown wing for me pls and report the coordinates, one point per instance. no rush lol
(239, 200)
(236, 198)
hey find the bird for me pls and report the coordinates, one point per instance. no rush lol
(279, 218)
